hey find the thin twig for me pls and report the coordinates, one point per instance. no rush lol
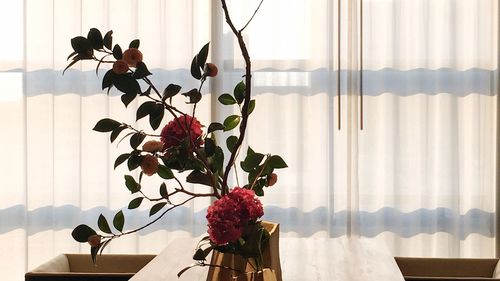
(254, 13)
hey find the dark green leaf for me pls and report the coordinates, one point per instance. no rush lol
(231, 142)
(103, 245)
(156, 208)
(251, 161)
(70, 64)
(215, 127)
(72, 54)
(103, 224)
(147, 92)
(81, 45)
(239, 92)
(134, 44)
(250, 150)
(277, 162)
(231, 122)
(108, 40)
(106, 125)
(135, 203)
(218, 159)
(141, 70)
(165, 172)
(163, 190)
(226, 99)
(257, 188)
(95, 38)
(171, 90)
(136, 140)
(127, 98)
(93, 253)
(120, 159)
(156, 116)
(195, 69)
(127, 84)
(109, 79)
(99, 64)
(198, 177)
(201, 254)
(119, 221)
(134, 161)
(82, 233)
(117, 52)
(209, 147)
(131, 184)
(251, 107)
(201, 59)
(194, 95)
(145, 109)
(116, 132)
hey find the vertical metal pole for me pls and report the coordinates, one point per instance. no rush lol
(361, 117)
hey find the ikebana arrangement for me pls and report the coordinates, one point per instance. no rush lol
(184, 148)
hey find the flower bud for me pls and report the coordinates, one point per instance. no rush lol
(272, 179)
(152, 146)
(132, 56)
(94, 240)
(149, 165)
(120, 67)
(211, 69)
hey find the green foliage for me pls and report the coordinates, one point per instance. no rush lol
(117, 52)
(199, 61)
(214, 127)
(120, 159)
(108, 40)
(156, 208)
(197, 176)
(231, 142)
(131, 184)
(136, 140)
(119, 221)
(103, 224)
(231, 122)
(106, 125)
(171, 90)
(82, 233)
(134, 44)
(277, 162)
(135, 203)
(141, 71)
(95, 38)
(194, 96)
(239, 92)
(226, 99)
(209, 147)
(165, 172)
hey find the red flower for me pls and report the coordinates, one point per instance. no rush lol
(228, 216)
(132, 56)
(176, 131)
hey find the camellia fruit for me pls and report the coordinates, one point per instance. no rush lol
(211, 69)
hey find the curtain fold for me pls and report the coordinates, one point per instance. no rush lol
(420, 176)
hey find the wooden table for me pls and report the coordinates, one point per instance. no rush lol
(302, 259)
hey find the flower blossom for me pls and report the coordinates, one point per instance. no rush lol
(149, 165)
(152, 146)
(176, 131)
(132, 56)
(120, 67)
(228, 216)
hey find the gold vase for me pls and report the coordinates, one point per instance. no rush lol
(270, 258)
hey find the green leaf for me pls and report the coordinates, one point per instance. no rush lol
(134, 44)
(239, 92)
(131, 184)
(135, 203)
(103, 224)
(197, 176)
(250, 150)
(257, 188)
(127, 98)
(218, 159)
(156, 116)
(127, 84)
(145, 109)
(231, 122)
(226, 99)
(136, 140)
(194, 95)
(134, 161)
(117, 52)
(120, 159)
(209, 147)
(108, 39)
(165, 172)
(231, 142)
(109, 79)
(82, 233)
(70, 64)
(93, 254)
(195, 69)
(251, 107)
(116, 132)
(277, 162)
(201, 59)
(81, 45)
(156, 208)
(171, 90)
(106, 125)
(215, 127)
(95, 38)
(251, 161)
(141, 71)
(163, 190)
(119, 221)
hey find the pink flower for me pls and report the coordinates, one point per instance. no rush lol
(228, 216)
(152, 146)
(120, 67)
(94, 240)
(176, 131)
(132, 56)
(149, 165)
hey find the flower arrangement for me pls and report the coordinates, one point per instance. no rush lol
(183, 148)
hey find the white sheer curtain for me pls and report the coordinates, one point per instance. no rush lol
(420, 175)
